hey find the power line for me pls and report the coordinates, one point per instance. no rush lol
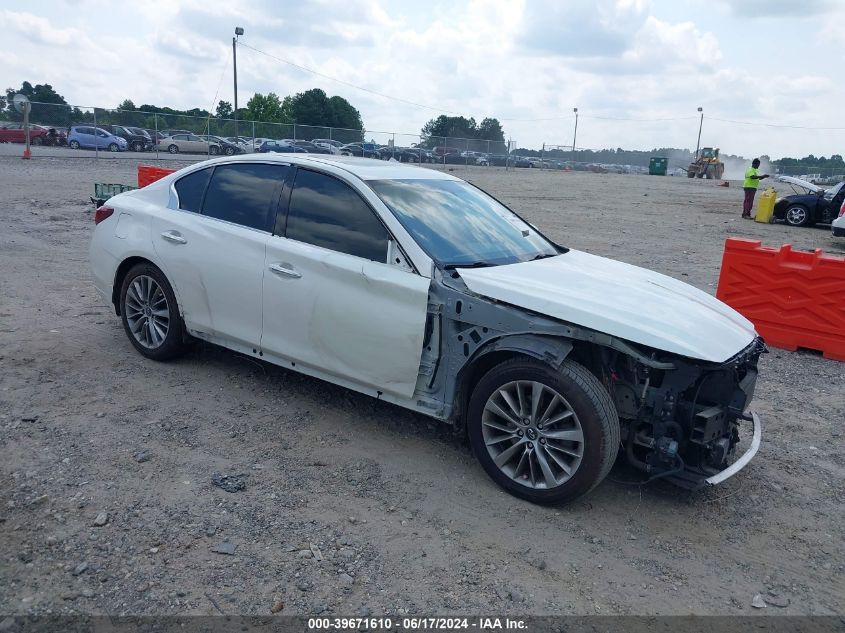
(776, 125)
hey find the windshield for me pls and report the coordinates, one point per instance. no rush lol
(457, 224)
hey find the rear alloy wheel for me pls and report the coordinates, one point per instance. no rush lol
(138, 146)
(150, 314)
(543, 435)
(797, 215)
(113, 147)
(37, 141)
(214, 150)
(229, 151)
(74, 144)
(173, 149)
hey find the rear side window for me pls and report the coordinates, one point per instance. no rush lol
(327, 212)
(244, 194)
(191, 188)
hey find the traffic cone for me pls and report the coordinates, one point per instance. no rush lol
(26, 153)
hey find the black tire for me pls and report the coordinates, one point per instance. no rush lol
(214, 150)
(113, 147)
(37, 141)
(797, 215)
(138, 146)
(230, 151)
(173, 149)
(173, 344)
(590, 402)
(74, 144)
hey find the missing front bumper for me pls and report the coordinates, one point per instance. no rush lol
(692, 480)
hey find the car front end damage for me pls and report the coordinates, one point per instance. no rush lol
(681, 418)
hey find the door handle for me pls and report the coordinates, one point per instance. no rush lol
(173, 236)
(285, 269)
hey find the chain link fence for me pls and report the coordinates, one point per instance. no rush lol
(77, 131)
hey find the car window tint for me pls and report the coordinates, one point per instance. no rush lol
(327, 212)
(191, 188)
(244, 194)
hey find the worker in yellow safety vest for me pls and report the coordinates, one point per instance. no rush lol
(752, 179)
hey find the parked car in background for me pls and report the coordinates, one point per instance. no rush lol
(810, 204)
(329, 144)
(226, 147)
(90, 137)
(419, 289)
(156, 136)
(15, 133)
(55, 136)
(356, 149)
(243, 142)
(280, 147)
(136, 141)
(190, 144)
(838, 225)
(442, 150)
(308, 146)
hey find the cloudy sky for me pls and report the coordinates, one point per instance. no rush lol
(636, 69)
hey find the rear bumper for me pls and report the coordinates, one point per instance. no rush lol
(838, 231)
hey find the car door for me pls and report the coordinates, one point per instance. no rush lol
(196, 144)
(213, 247)
(331, 300)
(85, 136)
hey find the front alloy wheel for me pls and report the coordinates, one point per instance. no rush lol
(797, 215)
(543, 434)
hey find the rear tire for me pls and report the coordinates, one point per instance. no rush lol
(214, 150)
(550, 452)
(173, 149)
(150, 314)
(74, 144)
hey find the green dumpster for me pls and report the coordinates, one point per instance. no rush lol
(658, 165)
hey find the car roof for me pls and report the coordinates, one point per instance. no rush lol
(363, 168)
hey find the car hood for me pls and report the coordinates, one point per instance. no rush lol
(798, 182)
(619, 299)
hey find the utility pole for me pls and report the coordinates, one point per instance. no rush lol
(238, 31)
(575, 135)
(700, 124)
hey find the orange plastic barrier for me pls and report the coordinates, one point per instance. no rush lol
(794, 298)
(148, 174)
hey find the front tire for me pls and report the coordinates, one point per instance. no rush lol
(150, 314)
(797, 215)
(138, 147)
(545, 436)
(113, 147)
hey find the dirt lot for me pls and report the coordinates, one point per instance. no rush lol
(353, 507)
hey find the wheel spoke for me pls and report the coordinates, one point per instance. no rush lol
(499, 411)
(563, 415)
(498, 440)
(536, 394)
(521, 397)
(508, 398)
(549, 409)
(571, 435)
(505, 456)
(562, 449)
(561, 464)
(548, 475)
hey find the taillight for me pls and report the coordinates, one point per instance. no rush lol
(102, 213)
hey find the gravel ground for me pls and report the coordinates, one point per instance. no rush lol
(328, 502)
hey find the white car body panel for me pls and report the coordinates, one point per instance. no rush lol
(356, 319)
(217, 272)
(632, 303)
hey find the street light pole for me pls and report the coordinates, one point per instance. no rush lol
(575, 135)
(238, 31)
(700, 124)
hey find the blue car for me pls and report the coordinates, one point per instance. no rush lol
(90, 137)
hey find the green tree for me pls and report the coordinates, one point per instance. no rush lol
(491, 130)
(313, 107)
(266, 108)
(48, 106)
(126, 105)
(224, 110)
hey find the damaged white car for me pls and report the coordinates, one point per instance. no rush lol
(417, 288)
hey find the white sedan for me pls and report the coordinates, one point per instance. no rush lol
(838, 225)
(417, 288)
